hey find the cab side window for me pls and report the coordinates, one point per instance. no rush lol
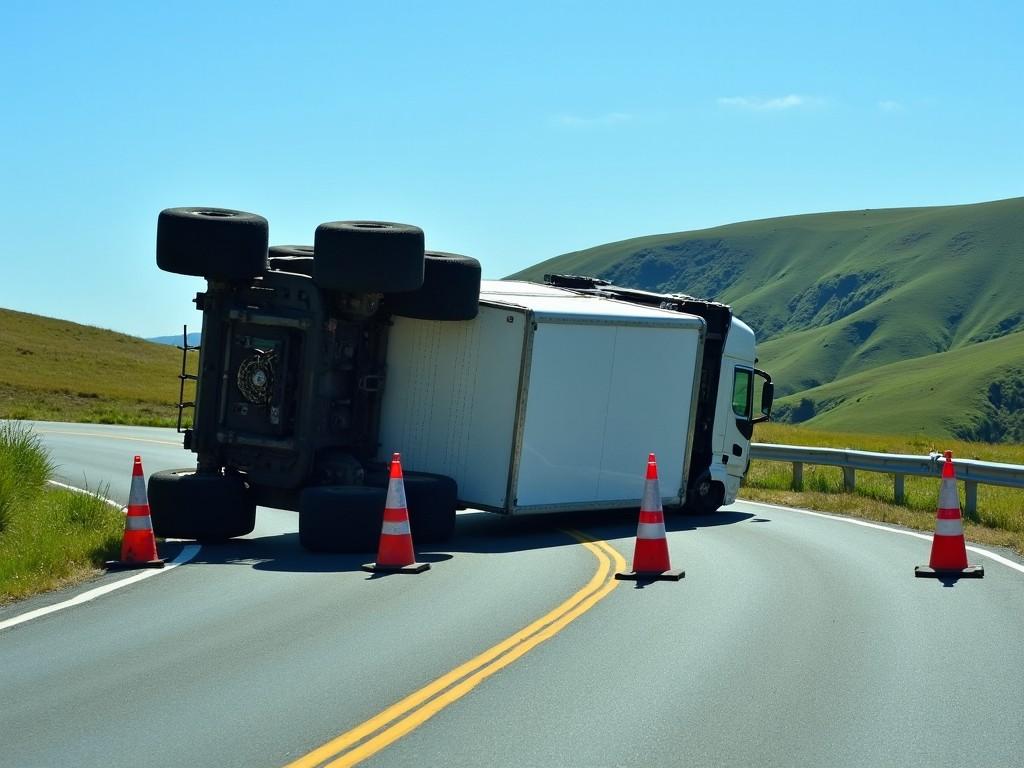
(741, 393)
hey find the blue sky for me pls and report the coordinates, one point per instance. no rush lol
(509, 133)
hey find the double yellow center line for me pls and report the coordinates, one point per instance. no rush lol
(396, 721)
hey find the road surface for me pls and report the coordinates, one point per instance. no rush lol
(794, 640)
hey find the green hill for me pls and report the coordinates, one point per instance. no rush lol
(975, 392)
(836, 295)
(60, 371)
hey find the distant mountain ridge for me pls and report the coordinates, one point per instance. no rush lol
(193, 339)
(836, 295)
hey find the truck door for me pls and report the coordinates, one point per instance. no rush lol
(743, 402)
(740, 427)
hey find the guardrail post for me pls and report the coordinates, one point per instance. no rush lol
(849, 479)
(898, 494)
(971, 498)
(798, 475)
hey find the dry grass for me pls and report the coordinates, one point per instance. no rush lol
(54, 370)
(999, 520)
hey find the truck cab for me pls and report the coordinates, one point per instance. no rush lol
(736, 414)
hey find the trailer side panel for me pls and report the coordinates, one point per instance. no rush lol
(602, 396)
(450, 399)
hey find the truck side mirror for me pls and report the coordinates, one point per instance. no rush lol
(767, 396)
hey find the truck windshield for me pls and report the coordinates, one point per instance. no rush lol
(741, 391)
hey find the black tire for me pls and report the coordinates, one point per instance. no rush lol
(450, 291)
(705, 496)
(187, 505)
(291, 258)
(341, 518)
(368, 257)
(215, 243)
(432, 500)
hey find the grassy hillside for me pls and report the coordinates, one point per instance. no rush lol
(56, 370)
(835, 295)
(974, 393)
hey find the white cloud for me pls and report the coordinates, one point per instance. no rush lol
(579, 121)
(760, 104)
(888, 105)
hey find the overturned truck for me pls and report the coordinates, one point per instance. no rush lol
(317, 362)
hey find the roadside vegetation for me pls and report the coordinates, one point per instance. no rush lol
(999, 520)
(53, 370)
(49, 537)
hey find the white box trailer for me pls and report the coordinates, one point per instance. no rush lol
(549, 400)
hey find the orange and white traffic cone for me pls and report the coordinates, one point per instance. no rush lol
(138, 547)
(395, 553)
(650, 555)
(949, 552)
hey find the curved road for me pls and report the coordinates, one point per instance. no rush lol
(794, 640)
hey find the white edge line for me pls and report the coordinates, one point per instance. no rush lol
(970, 548)
(112, 503)
(186, 554)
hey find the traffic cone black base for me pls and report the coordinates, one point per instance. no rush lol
(970, 572)
(663, 576)
(411, 568)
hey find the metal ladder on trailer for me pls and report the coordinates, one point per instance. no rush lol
(184, 377)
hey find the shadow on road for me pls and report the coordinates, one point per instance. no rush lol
(279, 552)
(951, 579)
(476, 532)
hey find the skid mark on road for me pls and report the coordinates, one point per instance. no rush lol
(378, 732)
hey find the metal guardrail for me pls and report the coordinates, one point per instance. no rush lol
(970, 471)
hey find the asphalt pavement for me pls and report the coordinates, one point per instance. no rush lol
(794, 640)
